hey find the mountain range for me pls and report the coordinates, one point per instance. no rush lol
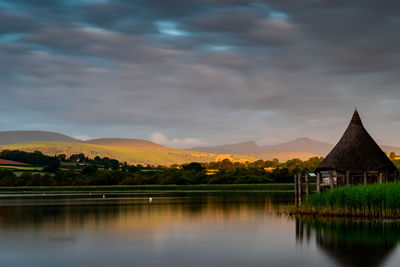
(303, 144)
(14, 137)
(302, 148)
(133, 151)
(146, 152)
(299, 148)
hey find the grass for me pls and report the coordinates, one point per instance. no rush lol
(374, 201)
(22, 168)
(146, 188)
(153, 155)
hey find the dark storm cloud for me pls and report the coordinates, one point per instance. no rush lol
(352, 35)
(11, 22)
(219, 71)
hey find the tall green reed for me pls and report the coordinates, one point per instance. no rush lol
(375, 200)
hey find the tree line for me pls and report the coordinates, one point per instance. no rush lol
(106, 171)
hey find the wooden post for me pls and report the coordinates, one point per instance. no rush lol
(301, 234)
(335, 174)
(380, 177)
(318, 182)
(331, 179)
(300, 186)
(296, 189)
(347, 177)
(365, 178)
(307, 184)
(386, 175)
(308, 233)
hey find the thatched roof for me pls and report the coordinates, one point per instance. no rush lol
(356, 151)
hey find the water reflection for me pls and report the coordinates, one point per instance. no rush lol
(133, 211)
(350, 242)
(194, 229)
(183, 229)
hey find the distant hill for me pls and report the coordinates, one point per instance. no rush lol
(146, 152)
(302, 144)
(130, 150)
(124, 142)
(302, 148)
(13, 137)
(285, 155)
(240, 148)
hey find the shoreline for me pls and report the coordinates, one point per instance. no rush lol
(149, 188)
(294, 211)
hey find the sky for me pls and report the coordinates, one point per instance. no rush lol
(187, 73)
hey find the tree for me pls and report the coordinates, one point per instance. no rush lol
(259, 164)
(114, 164)
(226, 164)
(62, 157)
(193, 166)
(74, 158)
(124, 166)
(82, 157)
(90, 169)
(133, 169)
(53, 166)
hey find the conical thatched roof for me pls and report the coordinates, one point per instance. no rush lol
(356, 151)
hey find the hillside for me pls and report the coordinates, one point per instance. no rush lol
(240, 148)
(13, 137)
(145, 153)
(302, 144)
(285, 155)
(302, 148)
(125, 142)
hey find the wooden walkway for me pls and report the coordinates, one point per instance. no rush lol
(306, 184)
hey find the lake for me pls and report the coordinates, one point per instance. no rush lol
(184, 229)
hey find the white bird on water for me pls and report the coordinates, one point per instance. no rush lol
(104, 196)
(150, 199)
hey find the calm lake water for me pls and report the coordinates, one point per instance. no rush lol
(184, 229)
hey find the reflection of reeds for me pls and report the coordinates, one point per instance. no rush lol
(377, 200)
(352, 243)
(377, 232)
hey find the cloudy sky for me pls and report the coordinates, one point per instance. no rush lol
(192, 72)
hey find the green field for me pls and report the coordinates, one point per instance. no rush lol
(149, 188)
(19, 170)
(22, 168)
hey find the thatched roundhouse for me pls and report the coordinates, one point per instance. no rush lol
(357, 158)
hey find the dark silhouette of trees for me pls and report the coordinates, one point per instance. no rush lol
(193, 166)
(106, 171)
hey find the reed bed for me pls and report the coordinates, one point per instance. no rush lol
(373, 201)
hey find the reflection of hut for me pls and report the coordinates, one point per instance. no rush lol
(362, 255)
(349, 243)
(356, 159)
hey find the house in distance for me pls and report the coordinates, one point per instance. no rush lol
(356, 159)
